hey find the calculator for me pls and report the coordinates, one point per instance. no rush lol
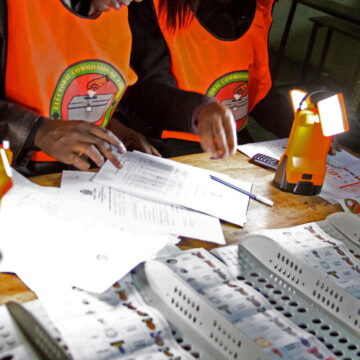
(265, 161)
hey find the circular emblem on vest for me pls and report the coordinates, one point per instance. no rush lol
(88, 90)
(232, 90)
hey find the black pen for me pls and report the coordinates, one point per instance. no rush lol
(245, 192)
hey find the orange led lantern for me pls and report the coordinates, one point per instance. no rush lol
(5, 170)
(302, 167)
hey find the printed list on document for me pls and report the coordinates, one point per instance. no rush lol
(171, 182)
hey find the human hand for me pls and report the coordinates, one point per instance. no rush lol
(132, 139)
(68, 141)
(334, 146)
(106, 5)
(217, 130)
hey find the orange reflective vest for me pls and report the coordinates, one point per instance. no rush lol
(65, 66)
(235, 72)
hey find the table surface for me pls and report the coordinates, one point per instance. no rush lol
(288, 210)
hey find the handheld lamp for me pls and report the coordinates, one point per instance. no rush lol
(302, 167)
(5, 170)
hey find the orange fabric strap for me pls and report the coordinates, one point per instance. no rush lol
(166, 134)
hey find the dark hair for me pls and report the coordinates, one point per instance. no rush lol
(178, 12)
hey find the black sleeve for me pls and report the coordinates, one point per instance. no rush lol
(17, 124)
(155, 97)
(275, 113)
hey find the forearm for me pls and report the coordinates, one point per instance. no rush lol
(16, 125)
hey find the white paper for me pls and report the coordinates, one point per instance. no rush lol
(244, 307)
(174, 183)
(135, 214)
(342, 181)
(273, 148)
(116, 324)
(13, 344)
(45, 241)
(326, 255)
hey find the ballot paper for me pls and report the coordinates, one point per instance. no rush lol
(114, 325)
(13, 344)
(171, 182)
(45, 241)
(244, 307)
(134, 213)
(117, 324)
(314, 247)
(342, 181)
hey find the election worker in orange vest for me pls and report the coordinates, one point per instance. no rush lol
(217, 48)
(70, 60)
(215, 126)
(60, 64)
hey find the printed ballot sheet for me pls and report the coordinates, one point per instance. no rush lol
(245, 308)
(314, 247)
(62, 247)
(116, 324)
(342, 181)
(13, 344)
(174, 183)
(136, 214)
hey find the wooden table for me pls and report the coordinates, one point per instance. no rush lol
(288, 210)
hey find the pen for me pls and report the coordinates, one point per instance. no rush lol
(248, 193)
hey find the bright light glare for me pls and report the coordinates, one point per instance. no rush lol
(6, 163)
(6, 144)
(332, 115)
(296, 97)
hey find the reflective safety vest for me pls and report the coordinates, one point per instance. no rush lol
(235, 72)
(64, 66)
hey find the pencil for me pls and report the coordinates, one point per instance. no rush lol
(248, 193)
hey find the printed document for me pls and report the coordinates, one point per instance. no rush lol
(174, 183)
(244, 307)
(273, 148)
(326, 255)
(53, 244)
(116, 324)
(136, 214)
(342, 181)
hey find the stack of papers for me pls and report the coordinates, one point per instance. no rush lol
(96, 228)
(170, 182)
(47, 242)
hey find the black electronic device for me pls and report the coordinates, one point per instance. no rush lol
(265, 161)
